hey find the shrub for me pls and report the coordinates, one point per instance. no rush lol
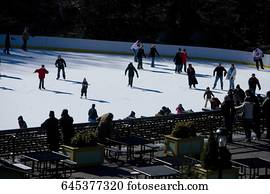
(84, 138)
(183, 130)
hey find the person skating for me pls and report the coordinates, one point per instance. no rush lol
(92, 114)
(253, 82)
(22, 123)
(51, 126)
(266, 113)
(219, 71)
(257, 57)
(41, 75)
(131, 69)
(192, 81)
(134, 48)
(184, 57)
(231, 74)
(25, 38)
(60, 63)
(84, 88)
(7, 44)
(140, 55)
(66, 125)
(152, 54)
(178, 61)
(208, 94)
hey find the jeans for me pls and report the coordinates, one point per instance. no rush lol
(135, 55)
(140, 63)
(221, 81)
(41, 83)
(153, 62)
(63, 72)
(231, 84)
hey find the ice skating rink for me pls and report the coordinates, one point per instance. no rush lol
(156, 87)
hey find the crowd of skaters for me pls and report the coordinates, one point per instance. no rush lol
(238, 95)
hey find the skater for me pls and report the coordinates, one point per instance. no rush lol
(22, 123)
(53, 135)
(92, 114)
(184, 57)
(178, 61)
(131, 69)
(180, 109)
(266, 113)
(257, 57)
(231, 74)
(140, 55)
(252, 83)
(192, 81)
(25, 38)
(219, 70)
(66, 125)
(208, 94)
(152, 54)
(60, 63)
(84, 88)
(134, 48)
(41, 74)
(7, 44)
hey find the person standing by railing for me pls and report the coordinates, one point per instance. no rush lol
(66, 125)
(22, 123)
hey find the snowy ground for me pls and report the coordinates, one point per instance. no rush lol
(156, 87)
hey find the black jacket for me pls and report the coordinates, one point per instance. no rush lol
(177, 58)
(153, 52)
(219, 71)
(131, 69)
(60, 63)
(252, 82)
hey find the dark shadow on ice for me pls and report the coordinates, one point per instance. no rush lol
(10, 77)
(203, 75)
(214, 92)
(71, 81)
(95, 100)
(156, 71)
(146, 90)
(156, 65)
(58, 92)
(4, 88)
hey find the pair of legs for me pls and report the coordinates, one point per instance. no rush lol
(206, 102)
(63, 73)
(130, 81)
(192, 85)
(259, 61)
(24, 46)
(185, 66)
(178, 68)
(140, 63)
(84, 93)
(135, 55)
(221, 82)
(41, 84)
(248, 124)
(153, 62)
(6, 51)
(231, 84)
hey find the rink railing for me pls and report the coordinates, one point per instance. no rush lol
(20, 141)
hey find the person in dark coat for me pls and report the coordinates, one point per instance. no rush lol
(51, 125)
(192, 81)
(66, 125)
(228, 113)
(178, 61)
(131, 116)
(92, 114)
(131, 69)
(25, 38)
(208, 94)
(105, 127)
(7, 44)
(140, 55)
(41, 75)
(266, 113)
(60, 63)
(239, 95)
(219, 71)
(84, 88)
(152, 54)
(22, 123)
(253, 82)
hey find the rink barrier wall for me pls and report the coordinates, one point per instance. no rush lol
(118, 47)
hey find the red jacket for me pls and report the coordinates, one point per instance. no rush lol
(41, 72)
(184, 57)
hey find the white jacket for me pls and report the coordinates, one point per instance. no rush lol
(257, 54)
